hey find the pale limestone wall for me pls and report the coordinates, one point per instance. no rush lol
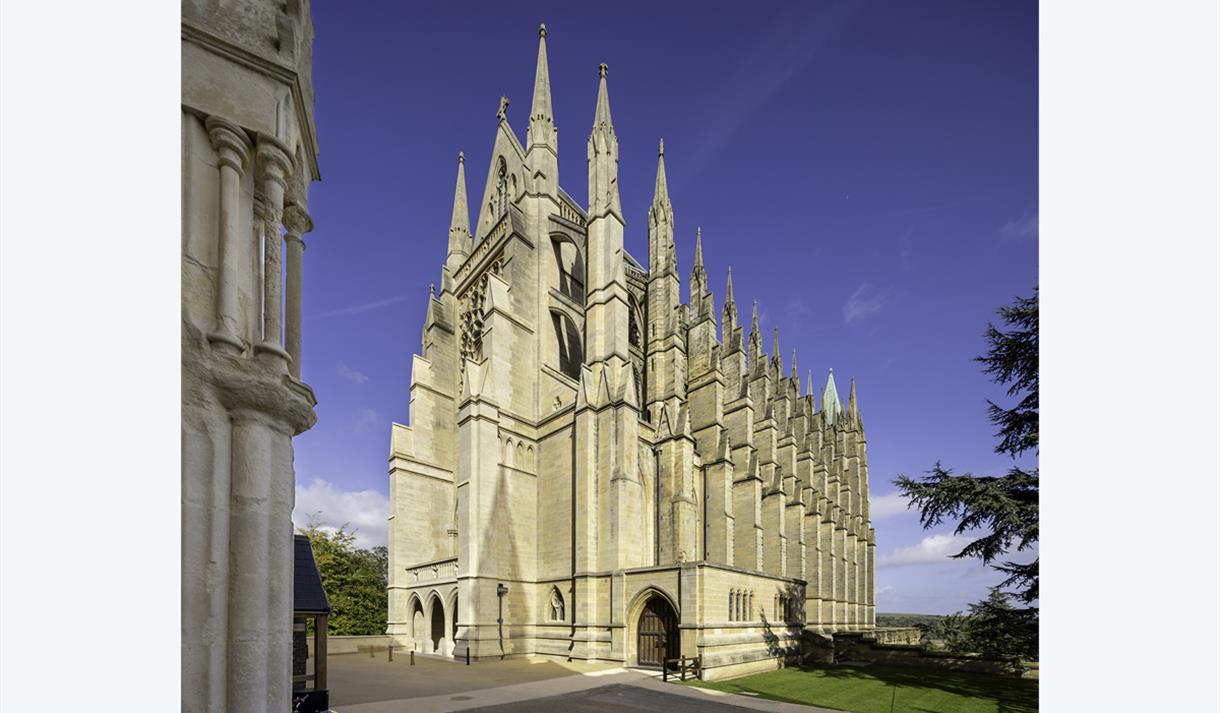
(667, 464)
(248, 156)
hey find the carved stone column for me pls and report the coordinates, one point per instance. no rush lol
(296, 223)
(233, 151)
(274, 164)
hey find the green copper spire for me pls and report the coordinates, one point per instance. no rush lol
(831, 407)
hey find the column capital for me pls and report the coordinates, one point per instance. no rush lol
(297, 221)
(230, 142)
(273, 162)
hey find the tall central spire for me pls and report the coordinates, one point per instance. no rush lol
(603, 156)
(541, 130)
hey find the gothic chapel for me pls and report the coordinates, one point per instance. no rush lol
(597, 470)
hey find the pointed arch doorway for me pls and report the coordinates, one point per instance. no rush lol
(657, 636)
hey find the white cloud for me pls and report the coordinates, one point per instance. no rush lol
(352, 375)
(1026, 227)
(882, 506)
(366, 419)
(933, 549)
(362, 512)
(865, 301)
(357, 309)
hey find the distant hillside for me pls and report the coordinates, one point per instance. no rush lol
(895, 619)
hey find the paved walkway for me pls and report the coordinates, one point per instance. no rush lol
(360, 684)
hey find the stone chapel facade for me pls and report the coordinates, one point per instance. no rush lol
(597, 470)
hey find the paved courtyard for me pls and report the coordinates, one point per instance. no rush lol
(360, 684)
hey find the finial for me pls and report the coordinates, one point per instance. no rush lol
(461, 157)
(601, 70)
(661, 150)
(503, 108)
(542, 30)
(432, 289)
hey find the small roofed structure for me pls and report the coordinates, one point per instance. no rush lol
(309, 692)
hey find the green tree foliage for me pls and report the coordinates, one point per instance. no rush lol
(354, 580)
(1001, 510)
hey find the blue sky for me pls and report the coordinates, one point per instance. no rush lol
(868, 169)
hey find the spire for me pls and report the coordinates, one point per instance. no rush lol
(459, 224)
(660, 222)
(660, 194)
(603, 156)
(541, 130)
(601, 118)
(831, 408)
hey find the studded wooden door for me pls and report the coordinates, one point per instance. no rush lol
(658, 633)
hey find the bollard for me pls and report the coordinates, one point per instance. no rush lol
(665, 670)
(412, 657)
(468, 654)
(390, 651)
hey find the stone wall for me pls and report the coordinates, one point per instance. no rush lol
(854, 646)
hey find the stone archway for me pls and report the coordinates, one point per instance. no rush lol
(417, 623)
(436, 627)
(656, 631)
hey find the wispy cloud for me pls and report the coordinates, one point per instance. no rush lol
(357, 309)
(361, 512)
(933, 549)
(352, 375)
(864, 302)
(366, 419)
(881, 507)
(1025, 227)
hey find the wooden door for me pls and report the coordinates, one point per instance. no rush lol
(658, 633)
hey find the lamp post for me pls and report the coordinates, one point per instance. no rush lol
(501, 590)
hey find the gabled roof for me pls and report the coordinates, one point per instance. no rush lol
(307, 593)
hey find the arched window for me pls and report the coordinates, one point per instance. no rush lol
(730, 605)
(750, 607)
(633, 326)
(571, 269)
(501, 188)
(556, 605)
(567, 339)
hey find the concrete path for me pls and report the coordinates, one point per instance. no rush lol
(363, 685)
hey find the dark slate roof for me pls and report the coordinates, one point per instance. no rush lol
(307, 592)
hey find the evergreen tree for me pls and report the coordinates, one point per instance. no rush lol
(1001, 509)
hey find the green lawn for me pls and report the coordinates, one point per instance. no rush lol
(869, 689)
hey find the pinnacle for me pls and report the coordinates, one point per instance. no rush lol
(728, 290)
(698, 248)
